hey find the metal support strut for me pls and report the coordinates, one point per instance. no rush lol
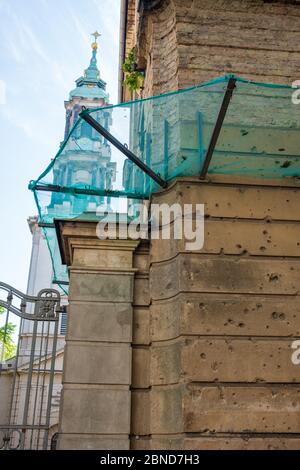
(108, 136)
(216, 132)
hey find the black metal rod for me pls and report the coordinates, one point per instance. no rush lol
(218, 126)
(108, 136)
(62, 283)
(92, 192)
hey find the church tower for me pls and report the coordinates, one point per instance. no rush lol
(86, 162)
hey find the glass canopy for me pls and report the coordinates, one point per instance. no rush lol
(171, 135)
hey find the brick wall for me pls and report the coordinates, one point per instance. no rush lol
(186, 42)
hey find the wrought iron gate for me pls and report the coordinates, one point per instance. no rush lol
(27, 379)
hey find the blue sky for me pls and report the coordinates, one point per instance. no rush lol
(45, 46)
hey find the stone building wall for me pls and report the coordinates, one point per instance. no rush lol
(199, 356)
(222, 321)
(186, 42)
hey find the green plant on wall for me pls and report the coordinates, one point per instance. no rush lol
(8, 346)
(134, 79)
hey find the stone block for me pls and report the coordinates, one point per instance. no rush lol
(256, 409)
(140, 367)
(231, 315)
(100, 321)
(89, 286)
(95, 411)
(166, 410)
(141, 327)
(141, 291)
(140, 413)
(236, 201)
(238, 360)
(241, 443)
(93, 442)
(220, 274)
(97, 363)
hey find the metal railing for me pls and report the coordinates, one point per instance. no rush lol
(27, 379)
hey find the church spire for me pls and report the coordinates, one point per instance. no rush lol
(92, 71)
(91, 85)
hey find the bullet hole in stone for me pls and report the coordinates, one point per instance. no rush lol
(273, 277)
(262, 248)
(259, 306)
(239, 246)
(203, 356)
(241, 325)
(285, 164)
(265, 232)
(217, 205)
(282, 316)
(274, 315)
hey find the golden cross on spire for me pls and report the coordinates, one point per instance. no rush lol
(96, 36)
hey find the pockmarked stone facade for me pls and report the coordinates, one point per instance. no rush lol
(176, 349)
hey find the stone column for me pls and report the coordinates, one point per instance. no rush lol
(96, 398)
